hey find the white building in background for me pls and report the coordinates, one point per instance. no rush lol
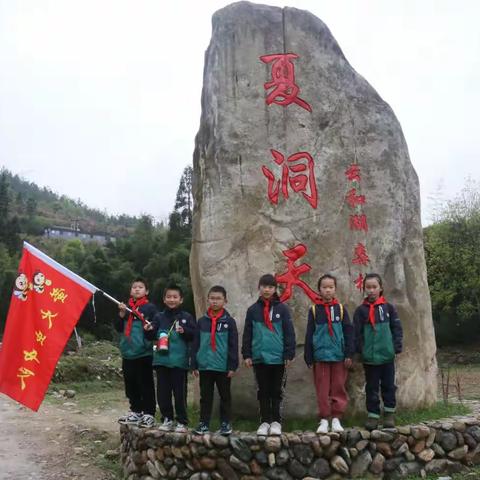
(74, 232)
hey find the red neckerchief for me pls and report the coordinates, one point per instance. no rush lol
(214, 319)
(372, 305)
(327, 306)
(134, 305)
(266, 313)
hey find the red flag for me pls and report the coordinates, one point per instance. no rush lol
(47, 302)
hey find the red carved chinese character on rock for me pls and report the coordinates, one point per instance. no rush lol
(303, 176)
(353, 199)
(285, 90)
(361, 256)
(291, 276)
(353, 173)
(358, 222)
(359, 281)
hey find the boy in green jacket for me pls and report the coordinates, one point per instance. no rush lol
(136, 353)
(215, 359)
(173, 330)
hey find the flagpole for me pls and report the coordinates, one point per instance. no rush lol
(114, 300)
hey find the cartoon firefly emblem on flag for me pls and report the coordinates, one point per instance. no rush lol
(21, 287)
(39, 282)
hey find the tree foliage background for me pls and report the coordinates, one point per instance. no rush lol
(452, 251)
(156, 252)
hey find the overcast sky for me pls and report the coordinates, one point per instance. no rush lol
(100, 99)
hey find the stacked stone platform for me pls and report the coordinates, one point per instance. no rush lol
(438, 447)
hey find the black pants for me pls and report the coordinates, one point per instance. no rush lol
(139, 387)
(380, 377)
(172, 381)
(271, 381)
(208, 380)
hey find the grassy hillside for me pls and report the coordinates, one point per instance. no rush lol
(38, 208)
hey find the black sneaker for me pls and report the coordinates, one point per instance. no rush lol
(202, 429)
(131, 418)
(225, 428)
(147, 421)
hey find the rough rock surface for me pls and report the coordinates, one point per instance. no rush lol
(238, 234)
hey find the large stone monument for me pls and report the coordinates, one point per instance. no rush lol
(300, 168)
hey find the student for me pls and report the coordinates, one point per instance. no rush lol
(269, 346)
(173, 329)
(379, 335)
(137, 353)
(329, 348)
(215, 359)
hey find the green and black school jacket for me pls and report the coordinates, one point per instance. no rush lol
(178, 354)
(137, 345)
(378, 346)
(263, 345)
(320, 346)
(225, 356)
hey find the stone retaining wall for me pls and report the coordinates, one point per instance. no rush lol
(431, 447)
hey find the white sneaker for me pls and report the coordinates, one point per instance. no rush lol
(336, 425)
(181, 428)
(275, 429)
(323, 426)
(166, 426)
(263, 429)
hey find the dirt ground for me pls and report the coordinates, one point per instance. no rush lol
(68, 437)
(459, 374)
(60, 441)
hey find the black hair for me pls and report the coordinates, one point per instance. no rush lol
(267, 280)
(218, 289)
(140, 280)
(323, 277)
(369, 276)
(174, 287)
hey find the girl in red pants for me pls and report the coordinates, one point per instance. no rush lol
(329, 347)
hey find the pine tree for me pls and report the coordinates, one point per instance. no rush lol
(184, 199)
(180, 221)
(9, 227)
(19, 203)
(142, 242)
(31, 208)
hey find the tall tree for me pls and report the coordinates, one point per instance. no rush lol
(9, 227)
(142, 243)
(19, 203)
(31, 208)
(184, 199)
(4, 198)
(180, 221)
